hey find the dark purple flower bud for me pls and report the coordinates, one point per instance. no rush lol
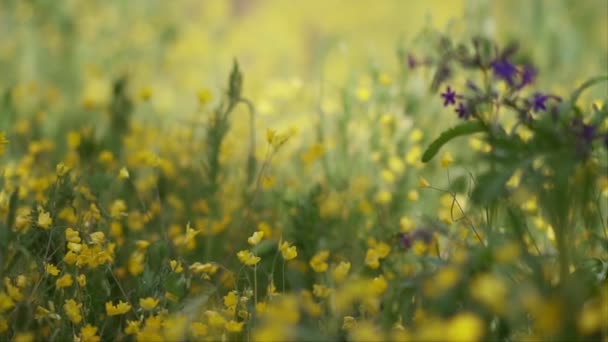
(405, 240)
(463, 111)
(538, 102)
(449, 97)
(411, 62)
(471, 85)
(588, 133)
(504, 69)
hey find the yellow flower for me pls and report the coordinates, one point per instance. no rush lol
(176, 266)
(383, 249)
(446, 160)
(465, 327)
(72, 310)
(88, 333)
(118, 309)
(12, 290)
(204, 96)
(231, 299)
(255, 238)
(3, 141)
(412, 195)
(234, 326)
(51, 269)
(198, 329)
(341, 271)
(270, 134)
(71, 235)
(423, 183)
(132, 327)
(82, 280)
(372, 259)
(247, 258)
(321, 291)
(123, 173)
(148, 303)
(318, 261)
(348, 323)
(24, 337)
(288, 252)
(44, 220)
(142, 244)
(61, 169)
(65, 281)
(97, 238)
(379, 285)
(6, 302)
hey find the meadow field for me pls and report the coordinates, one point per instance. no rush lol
(321, 170)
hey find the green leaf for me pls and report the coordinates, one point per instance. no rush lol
(466, 128)
(491, 186)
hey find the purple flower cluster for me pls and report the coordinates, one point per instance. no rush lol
(449, 98)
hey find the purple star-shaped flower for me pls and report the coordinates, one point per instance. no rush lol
(463, 111)
(504, 69)
(449, 97)
(528, 74)
(538, 102)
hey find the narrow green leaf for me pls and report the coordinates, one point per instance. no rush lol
(466, 128)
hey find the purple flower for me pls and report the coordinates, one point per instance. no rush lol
(449, 97)
(528, 74)
(504, 69)
(463, 111)
(538, 102)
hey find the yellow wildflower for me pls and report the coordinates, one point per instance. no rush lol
(248, 258)
(123, 173)
(255, 238)
(288, 252)
(51, 269)
(132, 327)
(446, 160)
(318, 262)
(341, 271)
(176, 266)
(71, 235)
(44, 220)
(72, 310)
(423, 183)
(88, 333)
(148, 303)
(234, 326)
(372, 259)
(118, 309)
(198, 329)
(65, 281)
